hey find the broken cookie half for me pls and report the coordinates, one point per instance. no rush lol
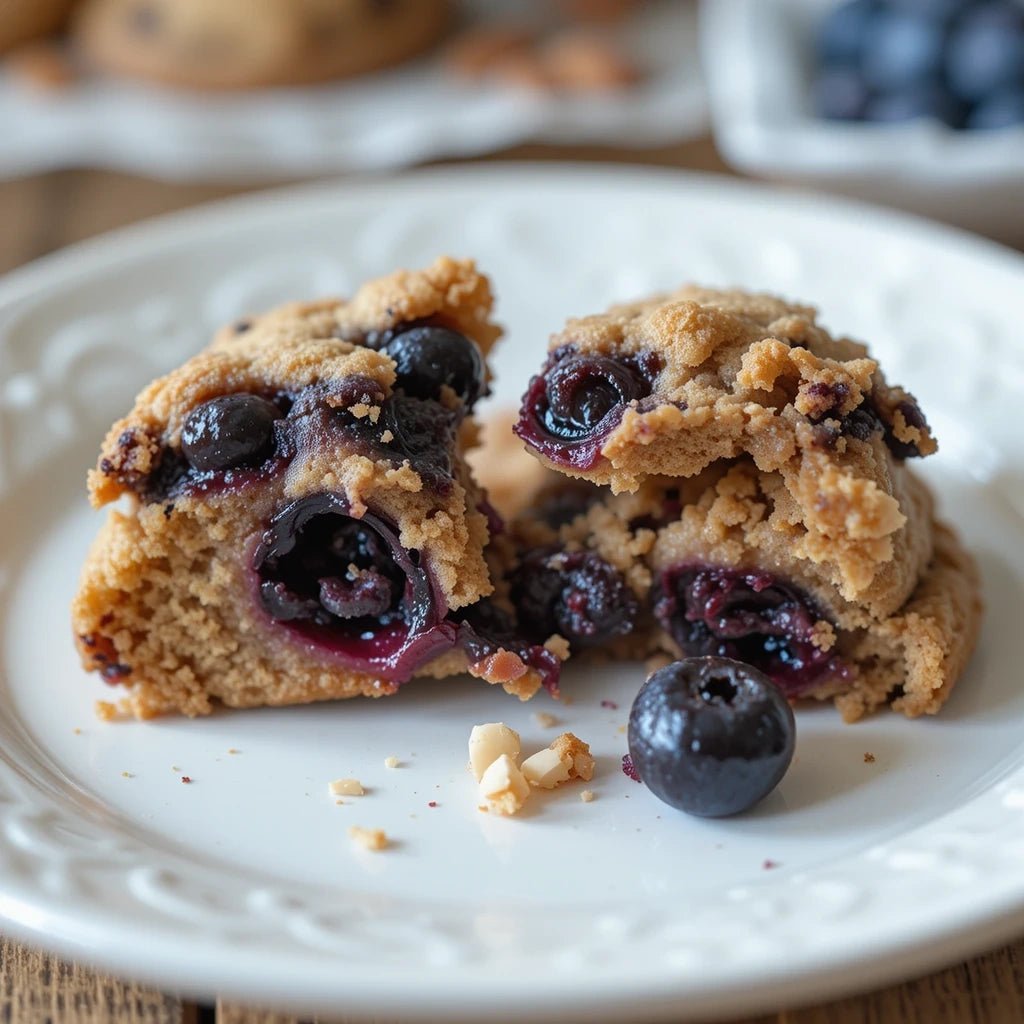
(297, 519)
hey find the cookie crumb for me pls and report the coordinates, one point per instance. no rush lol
(77, 731)
(391, 762)
(232, 750)
(544, 720)
(869, 758)
(587, 796)
(127, 775)
(345, 787)
(368, 838)
(576, 756)
(105, 711)
(387, 437)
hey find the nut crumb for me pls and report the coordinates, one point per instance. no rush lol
(482, 808)
(387, 437)
(391, 762)
(77, 731)
(488, 742)
(345, 787)
(127, 775)
(587, 796)
(232, 750)
(869, 758)
(544, 720)
(368, 838)
(504, 786)
(339, 803)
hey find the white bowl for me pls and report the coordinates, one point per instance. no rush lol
(758, 59)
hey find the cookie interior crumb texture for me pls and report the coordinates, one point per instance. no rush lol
(345, 787)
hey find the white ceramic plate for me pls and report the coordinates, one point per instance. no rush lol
(393, 118)
(244, 882)
(758, 58)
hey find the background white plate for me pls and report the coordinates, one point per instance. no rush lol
(393, 118)
(244, 881)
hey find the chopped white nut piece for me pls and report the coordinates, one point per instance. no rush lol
(544, 720)
(545, 769)
(503, 786)
(487, 743)
(587, 795)
(575, 755)
(391, 762)
(368, 838)
(345, 787)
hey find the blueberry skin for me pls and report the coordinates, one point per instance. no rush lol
(903, 49)
(986, 52)
(928, 100)
(427, 357)
(233, 430)
(840, 94)
(1002, 110)
(842, 33)
(711, 736)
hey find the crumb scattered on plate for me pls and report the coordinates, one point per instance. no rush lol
(869, 758)
(391, 762)
(587, 796)
(345, 787)
(544, 720)
(368, 838)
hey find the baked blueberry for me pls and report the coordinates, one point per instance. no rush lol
(576, 594)
(576, 401)
(429, 357)
(1000, 110)
(903, 48)
(233, 430)
(749, 616)
(711, 736)
(842, 34)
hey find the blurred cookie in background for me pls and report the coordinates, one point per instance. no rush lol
(224, 44)
(22, 21)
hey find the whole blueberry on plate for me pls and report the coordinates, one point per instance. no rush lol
(427, 357)
(711, 736)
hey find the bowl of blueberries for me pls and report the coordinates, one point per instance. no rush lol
(914, 103)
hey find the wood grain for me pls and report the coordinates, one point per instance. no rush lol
(41, 214)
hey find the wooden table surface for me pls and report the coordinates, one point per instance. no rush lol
(41, 214)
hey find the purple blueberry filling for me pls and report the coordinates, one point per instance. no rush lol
(575, 594)
(862, 422)
(577, 401)
(747, 616)
(347, 588)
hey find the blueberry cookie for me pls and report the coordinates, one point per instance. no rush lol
(714, 566)
(300, 522)
(21, 21)
(670, 385)
(225, 45)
